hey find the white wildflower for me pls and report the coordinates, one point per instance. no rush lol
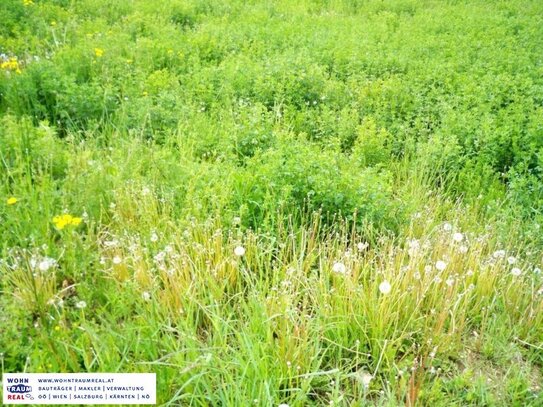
(239, 251)
(160, 256)
(385, 287)
(339, 268)
(499, 254)
(81, 304)
(458, 237)
(46, 264)
(516, 271)
(441, 265)
(361, 246)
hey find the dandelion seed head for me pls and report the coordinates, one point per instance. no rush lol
(441, 265)
(46, 264)
(339, 268)
(511, 260)
(117, 260)
(81, 304)
(239, 251)
(361, 246)
(516, 271)
(499, 254)
(385, 287)
(447, 227)
(458, 237)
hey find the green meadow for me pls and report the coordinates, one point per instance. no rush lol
(276, 203)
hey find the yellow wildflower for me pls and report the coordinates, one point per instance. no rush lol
(98, 52)
(61, 221)
(53, 23)
(27, 2)
(12, 200)
(11, 64)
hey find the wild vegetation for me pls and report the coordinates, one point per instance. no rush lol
(302, 203)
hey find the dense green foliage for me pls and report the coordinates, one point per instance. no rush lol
(294, 128)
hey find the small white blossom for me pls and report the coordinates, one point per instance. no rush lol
(458, 237)
(117, 260)
(81, 304)
(339, 268)
(361, 246)
(447, 227)
(385, 287)
(239, 251)
(146, 295)
(154, 237)
(511, 260)
(499, 254)
(516, 271)
(463, 249)
(441, 265)
(46, 264)
(160, 256)
(414, 246)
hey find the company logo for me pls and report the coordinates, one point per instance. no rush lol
(19, 388)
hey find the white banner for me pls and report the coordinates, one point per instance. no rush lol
(79, 388)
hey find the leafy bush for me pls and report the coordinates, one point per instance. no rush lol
(296, 175)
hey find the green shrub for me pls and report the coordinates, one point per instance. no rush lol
(298, 176)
